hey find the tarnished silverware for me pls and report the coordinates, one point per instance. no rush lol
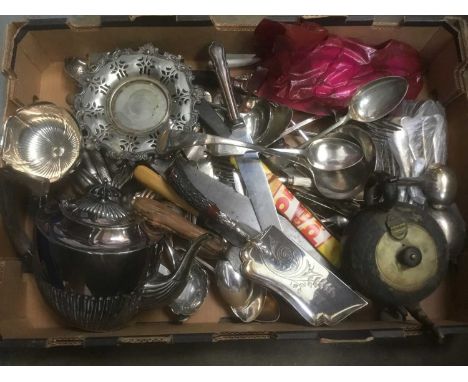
(293, 128)
(329, 153)
(439, 184)
(250, 166)
(129, 96)
(245, 299)
(76, 68)
(193, 295)
(453, 226)
(272, 260)
(265, 120)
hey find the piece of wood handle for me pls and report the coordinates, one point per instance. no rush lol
(156, 183)
(163, 217)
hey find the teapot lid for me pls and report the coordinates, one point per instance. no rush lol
(96, 223)
(99, 207)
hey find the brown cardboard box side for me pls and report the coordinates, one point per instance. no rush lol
(36, 72)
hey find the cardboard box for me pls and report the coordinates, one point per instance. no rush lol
(33, 63)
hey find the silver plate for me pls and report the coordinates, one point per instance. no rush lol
(129, 97)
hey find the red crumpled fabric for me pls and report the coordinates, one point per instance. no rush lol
(308, 69)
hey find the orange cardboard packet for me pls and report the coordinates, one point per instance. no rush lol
(304, 220)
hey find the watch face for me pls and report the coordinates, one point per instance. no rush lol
(139, 106)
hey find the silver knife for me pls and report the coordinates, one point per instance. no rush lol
(249, 165)
(229, 201)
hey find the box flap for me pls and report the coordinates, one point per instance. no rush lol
(9, 42)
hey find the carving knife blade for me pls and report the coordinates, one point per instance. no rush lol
(249, 165)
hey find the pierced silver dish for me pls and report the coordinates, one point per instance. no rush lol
(128, 97)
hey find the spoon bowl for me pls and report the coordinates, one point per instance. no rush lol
(346, 183)
(439, 184)
(232, 285)
(377, 98)
(333, 153)
(246, 299)
(265, 121)
(372, 101)
(252, 307)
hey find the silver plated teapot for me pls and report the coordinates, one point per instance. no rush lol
(95, 264)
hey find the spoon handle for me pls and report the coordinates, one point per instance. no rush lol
(218, 57)
(174, 140)
(416, 181)
(333, 127)
(292, 154)
(289, 153)
(294, 128)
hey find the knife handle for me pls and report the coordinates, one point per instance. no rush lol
(211, 119)
(209, 211)
(156, 183)
(177, 178)
(163, 217)
(218, 57)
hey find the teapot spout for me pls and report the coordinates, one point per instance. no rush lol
(160, 290)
